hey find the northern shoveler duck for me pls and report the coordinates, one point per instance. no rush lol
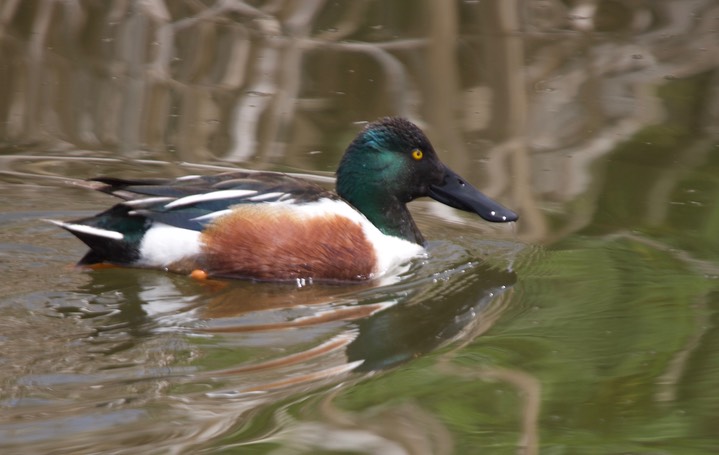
(272, 226)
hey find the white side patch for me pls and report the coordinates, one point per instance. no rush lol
(163, 244)
(213, 196)
(391, 252)
(89, 230)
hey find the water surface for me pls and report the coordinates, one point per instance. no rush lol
(587, 327)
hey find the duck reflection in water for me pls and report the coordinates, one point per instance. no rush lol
(321, 330)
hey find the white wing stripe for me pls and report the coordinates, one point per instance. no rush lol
(215, 195)
(212, 216)
(147, 201)
(265, 196)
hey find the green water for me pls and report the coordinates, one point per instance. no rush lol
(589, 327)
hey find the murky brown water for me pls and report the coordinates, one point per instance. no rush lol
(589, 327)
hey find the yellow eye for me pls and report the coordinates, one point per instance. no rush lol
(417, 154)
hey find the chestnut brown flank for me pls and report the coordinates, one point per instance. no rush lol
(279, 244)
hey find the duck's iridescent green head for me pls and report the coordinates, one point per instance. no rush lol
(390, 163)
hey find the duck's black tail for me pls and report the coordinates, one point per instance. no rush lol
(112, 235)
